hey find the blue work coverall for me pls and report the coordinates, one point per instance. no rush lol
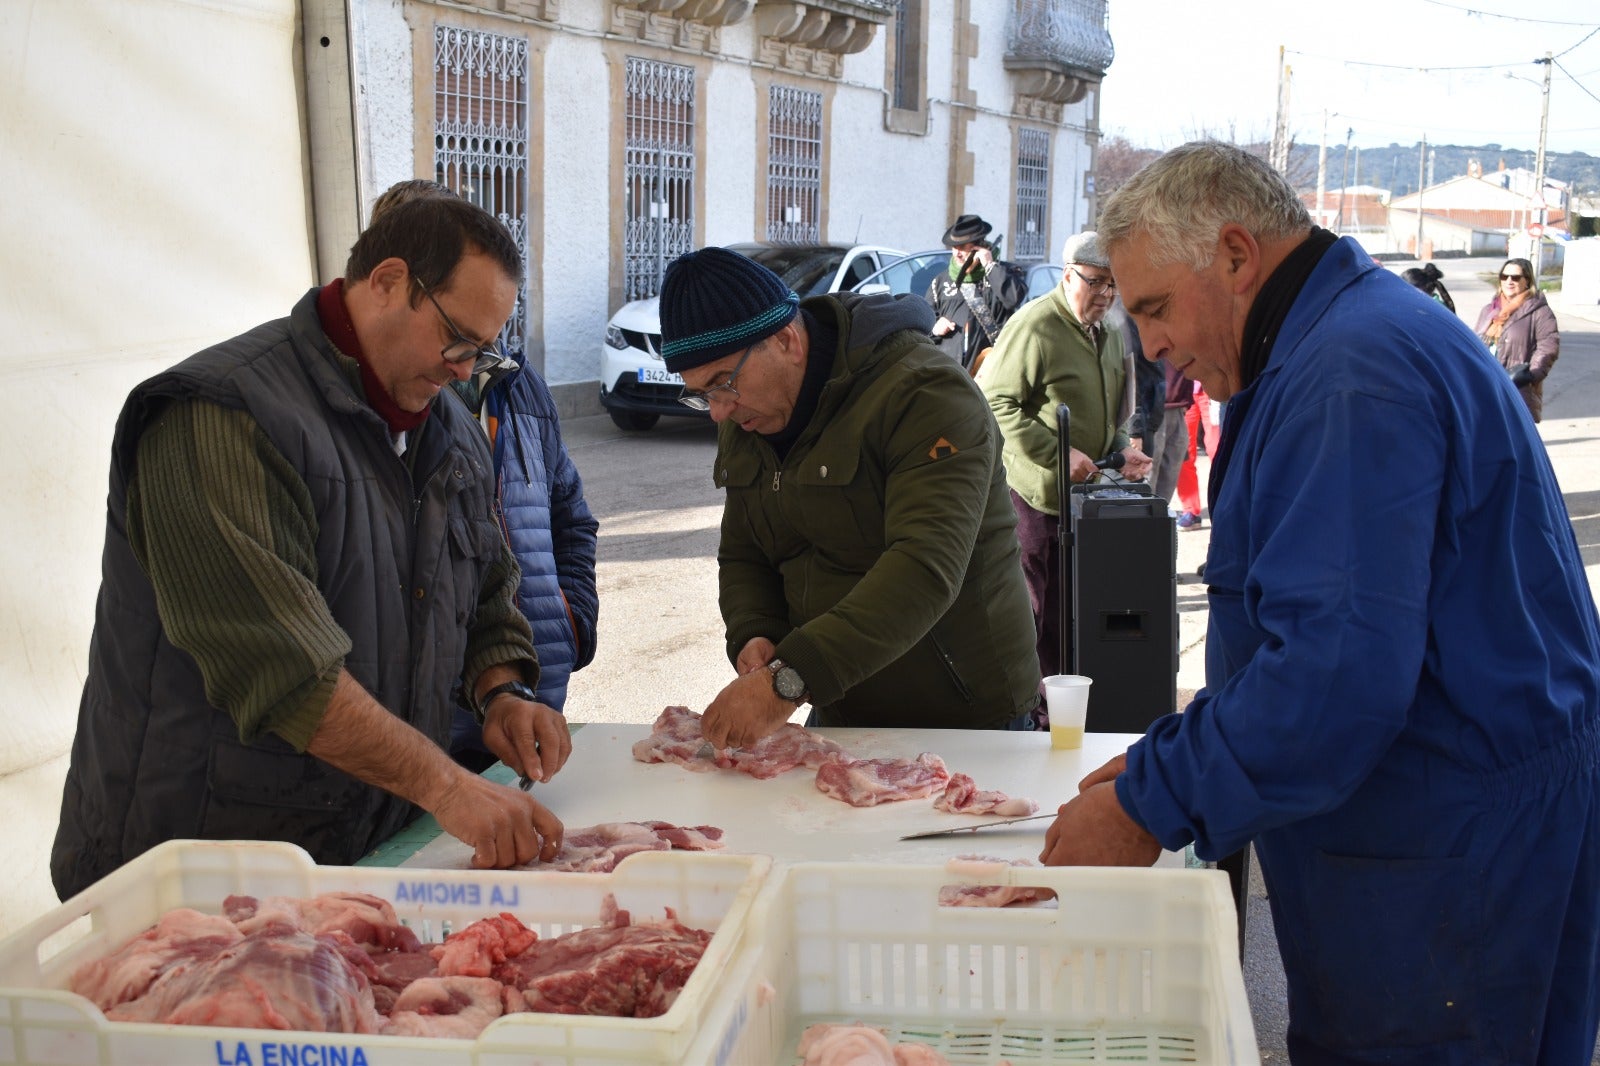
(1402, 701)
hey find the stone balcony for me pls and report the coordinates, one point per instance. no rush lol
(1056, 51)
(809, 36)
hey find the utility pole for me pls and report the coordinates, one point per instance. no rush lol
(1538, 169)
(1279, 153)
(1344, 179)
(1422, 162)
(1322, 173)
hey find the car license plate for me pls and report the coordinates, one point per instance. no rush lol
(654, 375)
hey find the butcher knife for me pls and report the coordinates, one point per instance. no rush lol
(975, 828)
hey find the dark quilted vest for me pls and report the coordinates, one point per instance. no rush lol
(400, 559)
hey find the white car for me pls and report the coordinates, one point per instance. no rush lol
(636, 388)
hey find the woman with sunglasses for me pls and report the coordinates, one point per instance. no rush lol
(1520, 330)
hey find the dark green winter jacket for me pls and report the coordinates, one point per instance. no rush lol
(880, 555)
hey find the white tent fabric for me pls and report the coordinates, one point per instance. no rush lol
(155, 178)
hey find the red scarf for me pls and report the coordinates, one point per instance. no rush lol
(336, 323)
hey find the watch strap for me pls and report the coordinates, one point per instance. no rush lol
(519, 689)
(773, 669)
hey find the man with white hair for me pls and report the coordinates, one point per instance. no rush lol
(1402, 700)
(1058, 350)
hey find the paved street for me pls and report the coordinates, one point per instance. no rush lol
(661, 636)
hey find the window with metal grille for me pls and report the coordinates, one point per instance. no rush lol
(794, 165)
(480, 134)
(1033, 194)
(658, 172)
(905, 83)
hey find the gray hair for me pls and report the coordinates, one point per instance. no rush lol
(1084, 249)
(1182, 200)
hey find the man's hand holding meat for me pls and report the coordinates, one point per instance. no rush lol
(747, 709)
(1092, 829)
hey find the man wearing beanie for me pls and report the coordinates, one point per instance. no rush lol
(1057, 350)
(868, 563)
(977, 295)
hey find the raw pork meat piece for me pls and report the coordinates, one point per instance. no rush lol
(598, 848)
(961, 796)
(619, 968)
(869, 782)
(825, 1044)
(393, 972)
(983, 866)
(487, 942)
(367, 920)
(456, 1007)
(274, 979)
(179, 940)
(676, 737)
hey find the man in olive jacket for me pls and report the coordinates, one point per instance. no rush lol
(868, 563)
(1057, 350)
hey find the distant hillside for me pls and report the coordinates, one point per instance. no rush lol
(1395, 167)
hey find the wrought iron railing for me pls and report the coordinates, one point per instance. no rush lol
(1068, 33)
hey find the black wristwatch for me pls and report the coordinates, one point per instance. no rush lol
(520, 689)
(787, 682)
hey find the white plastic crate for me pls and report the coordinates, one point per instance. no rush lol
(41, 1024)
(1128, 966)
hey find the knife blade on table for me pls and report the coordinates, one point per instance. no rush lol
(975, 828)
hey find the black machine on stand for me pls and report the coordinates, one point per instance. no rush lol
(1119, 607)
(1119, 595)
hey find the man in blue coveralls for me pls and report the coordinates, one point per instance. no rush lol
(1402, 701)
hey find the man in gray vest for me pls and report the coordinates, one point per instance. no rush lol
(301, 562)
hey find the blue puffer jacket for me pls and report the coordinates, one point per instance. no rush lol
(1402, 701)
(549, 526)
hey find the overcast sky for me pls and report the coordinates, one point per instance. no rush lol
(1377, 66)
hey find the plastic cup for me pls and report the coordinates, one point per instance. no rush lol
(1067, 697)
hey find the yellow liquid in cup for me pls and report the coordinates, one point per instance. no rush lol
(1066, 736)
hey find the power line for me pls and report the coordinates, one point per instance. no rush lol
(1497, 15)
(1414, 66)
(1576, 82)
(1591, 33)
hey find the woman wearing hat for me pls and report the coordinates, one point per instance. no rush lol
(975, 297)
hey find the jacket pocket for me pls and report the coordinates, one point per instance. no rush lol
(837, 506)
(1387, 950)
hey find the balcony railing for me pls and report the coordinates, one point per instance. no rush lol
(1058, 47)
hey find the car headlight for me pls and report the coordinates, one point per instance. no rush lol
(615, 339)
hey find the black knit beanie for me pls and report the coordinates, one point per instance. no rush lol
(715, 302)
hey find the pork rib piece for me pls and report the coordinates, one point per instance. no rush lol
(676, 737)
(481, 946)
(620, 968)
(869, 782)
(368, 920)
(181, 939)
(273, 979)
(988, 895)
(962, 796)
(458, 1007)
(598, 848)
(826, 1044)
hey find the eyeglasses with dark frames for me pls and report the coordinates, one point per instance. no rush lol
(700, 399)
(1096, 285)
(484, 357)
(1513, 277)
